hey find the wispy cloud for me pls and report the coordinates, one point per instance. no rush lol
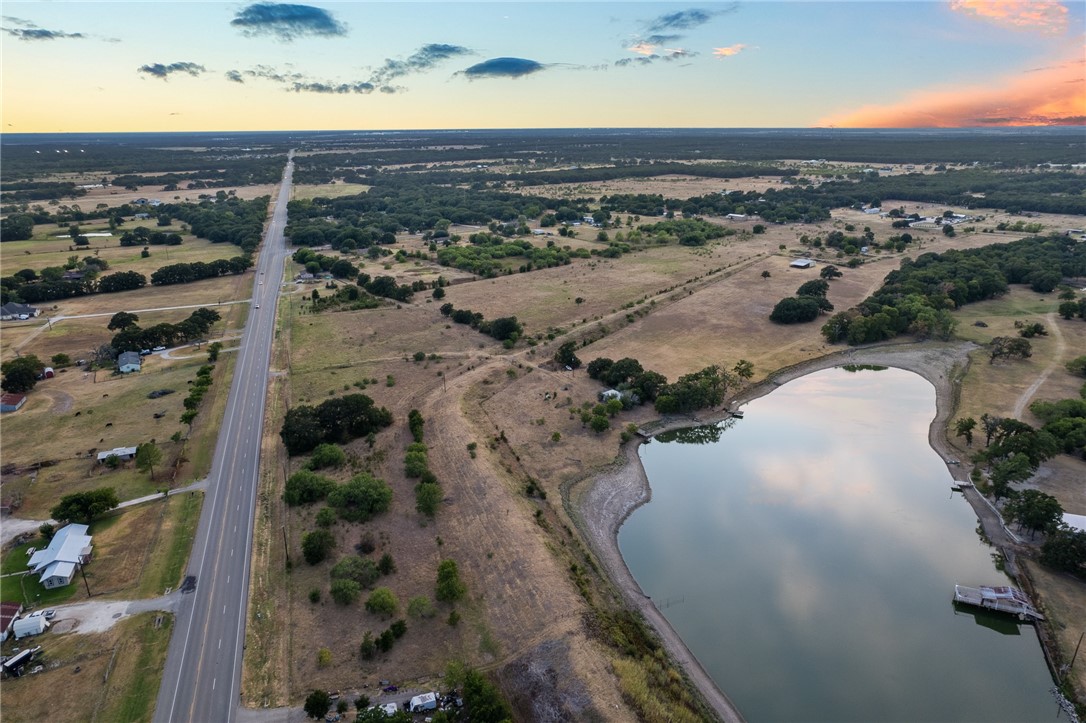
(683, 19)
(30, 31)
(235, 76)
(729, 51)
(265, 72)
(503, 68)
(1047, 96)
(643, 48)
(1047, 16)
(287, 22)
(425, 58)
(163, 71)
(361, 88)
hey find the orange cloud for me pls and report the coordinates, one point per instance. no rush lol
(1054, 95)
(642, 48)
(1045, 15)
(729, 51)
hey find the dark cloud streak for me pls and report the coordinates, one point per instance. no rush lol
(503, 68)
(288, 22)
(30, 31)
(159, 70)
(425, 58)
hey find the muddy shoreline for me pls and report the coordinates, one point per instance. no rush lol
(600, 504)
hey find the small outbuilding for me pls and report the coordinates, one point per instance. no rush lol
(32, 625)
(128, 361)
(11, 402)
(48, 373)
(12, 310)
(122, 453)
(802, 264)
(609, 394)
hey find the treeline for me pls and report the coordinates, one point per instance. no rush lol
(17, 288)
(185, 273)
(687, 231)
(25, 191)
(315, 263)
(918, 297)
(809, 302)
(505, 329)
(132, 338)
(143, 236)
(338, 420)
(484, 255)
(416, 465)
(691, 392)
(229, 220)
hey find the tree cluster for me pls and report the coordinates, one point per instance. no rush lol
(504, 329)
(133, 338)
(340, 420)
(84, 507)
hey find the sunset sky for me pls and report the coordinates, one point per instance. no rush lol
(183, 66)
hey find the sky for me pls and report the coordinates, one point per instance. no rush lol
(205, 66)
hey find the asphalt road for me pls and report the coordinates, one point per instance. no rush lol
(202, 679)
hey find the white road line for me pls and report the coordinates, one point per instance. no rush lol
(224, 610)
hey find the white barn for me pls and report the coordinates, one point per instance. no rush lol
(802, 264)
(34, 625)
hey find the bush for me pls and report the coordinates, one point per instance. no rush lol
(382, 602)
(315, 595)
(361, 499)
(368, 647)
(305, 487)
(324, 658)
(327, 455)
(398, 628)
(386, 565)
(355, 568)
(317, 704)
(345, 591)
(420, 607)
(795, 310)
(449, 586)
(427, 498)
(316, 545)
(326, 517)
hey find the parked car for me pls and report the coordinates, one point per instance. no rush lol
(49, 614)
(144, 352)
(159, 348)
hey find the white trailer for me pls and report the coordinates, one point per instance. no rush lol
(420, 703)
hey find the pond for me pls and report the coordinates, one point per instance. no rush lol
(807, 555)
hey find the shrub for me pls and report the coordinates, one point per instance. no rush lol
(420, 607)
(326, 517)
(368, 647)
(386, 565)
(345, 591)
(362, 498)
(316, 545)
(324, 658)
(317, 704)
(382, 601)
(355, 568)
(449, 586)
(327, 455)
(315, 595)
(305, 487)
(398, 628)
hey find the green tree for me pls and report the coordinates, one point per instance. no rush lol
(1077, 366)
(1002, 347)
(744, 369)
(324, 658)
(316, 546)
(830, 272)
(327, 455)
(21, 373)
(304, 487)
(1065, 549)
(1016, 468)
(566, 355)
(449, 586)
(147, 456)
(964, 428)
(766, 274)
(361, 499)
(382, 602)
(357, 569)
(345, 592)
(1035, 511)
(420, 606)
(317, 704)
(428, 498)
(122, 320)
(1068, 309)
(47, 530)
(484, 700)
(83, 507)
(61, 360)
(213, 350)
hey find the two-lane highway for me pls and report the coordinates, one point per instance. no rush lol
(202, 679)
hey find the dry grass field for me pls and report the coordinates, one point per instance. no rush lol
(330, 190)
(114, 196)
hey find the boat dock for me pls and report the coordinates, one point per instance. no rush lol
(1004, 599)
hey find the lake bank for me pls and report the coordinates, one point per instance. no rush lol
(600, 506)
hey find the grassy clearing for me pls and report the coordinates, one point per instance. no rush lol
(117, 679)
(178, 529)
(332, 190)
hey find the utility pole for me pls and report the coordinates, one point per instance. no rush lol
(84, 574)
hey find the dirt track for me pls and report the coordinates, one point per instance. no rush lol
(604, 502)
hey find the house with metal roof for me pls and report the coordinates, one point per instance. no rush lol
(128, 361)
(57, 563)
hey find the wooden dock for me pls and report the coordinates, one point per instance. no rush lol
(1004, 599)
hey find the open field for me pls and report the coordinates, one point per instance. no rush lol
(329, 190)
(115, 196)
(110, 676)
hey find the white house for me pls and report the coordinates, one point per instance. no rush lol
(802, 264)
(122, 453)
(128, 361)
(12, 310)
(35, 625)
(56, 564)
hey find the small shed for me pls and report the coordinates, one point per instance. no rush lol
(128, 361)
(609, 394)
(12, 402)
(802, 264)
(33, 625)
(122, 453)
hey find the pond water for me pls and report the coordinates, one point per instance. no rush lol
(807, 555)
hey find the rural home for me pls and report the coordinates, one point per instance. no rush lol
(11, 310)
(9, 611)
(802, 264)
(10, 402)
(122, 453)
(57, 563)
(33, 625)
(128, 361)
